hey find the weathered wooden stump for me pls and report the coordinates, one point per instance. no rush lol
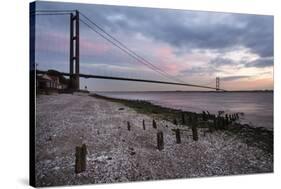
(218, 122)
(160, 140)
(209, 115)
(80, 158)
(204, 116)
(226, 119)
(182, 118)
(143, 124)
(128, 126)
(194, 132)
(178, 136)
(154, 124)
(211, 125)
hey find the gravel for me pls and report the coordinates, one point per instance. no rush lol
(64, 121)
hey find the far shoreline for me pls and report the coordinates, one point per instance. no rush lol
(182, 91)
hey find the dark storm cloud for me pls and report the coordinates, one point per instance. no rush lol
(188, 30)
(185, 30)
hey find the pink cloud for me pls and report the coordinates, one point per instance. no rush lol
(167, 61)
(164, 52)
(251, 84)
(93, 47)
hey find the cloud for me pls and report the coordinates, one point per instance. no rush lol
(190, 44)
(261, 62)
(218, 61)
(232, 78)
(185, 30)
(189, 30)
(197, 71)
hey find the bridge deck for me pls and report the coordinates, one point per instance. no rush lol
(132, 79)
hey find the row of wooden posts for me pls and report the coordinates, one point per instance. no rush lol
(160, 136)
(219, 122)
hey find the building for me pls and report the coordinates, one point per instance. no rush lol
(45, 81)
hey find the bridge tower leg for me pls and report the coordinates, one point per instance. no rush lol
(74, 51)
(217, 83)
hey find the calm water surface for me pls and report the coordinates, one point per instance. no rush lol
(256, 106)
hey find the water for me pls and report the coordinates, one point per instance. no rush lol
(256, 106)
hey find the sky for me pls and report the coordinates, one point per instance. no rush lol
(193, 46)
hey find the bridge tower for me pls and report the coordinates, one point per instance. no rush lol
(74, 51)
(217, 83)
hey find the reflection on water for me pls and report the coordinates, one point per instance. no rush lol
(256, 106)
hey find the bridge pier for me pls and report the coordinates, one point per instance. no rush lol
(74, 54)
(217, 84)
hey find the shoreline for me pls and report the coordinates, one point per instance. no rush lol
(117, 154)
(255, 136)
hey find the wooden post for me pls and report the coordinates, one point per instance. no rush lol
(178, 136)
(182, 118)
(204, 116)
(219, 122)
(128, 126)
(226, 119)
(215, 123)
(80, 158)
(160, 140)
(175, 122)
(211, 126)
(194, 132)
(154, 124)
(143, 124)
(209, 115)
(84, 159)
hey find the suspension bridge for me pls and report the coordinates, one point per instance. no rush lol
(76, 18)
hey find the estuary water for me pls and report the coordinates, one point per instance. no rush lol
(256, 106)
